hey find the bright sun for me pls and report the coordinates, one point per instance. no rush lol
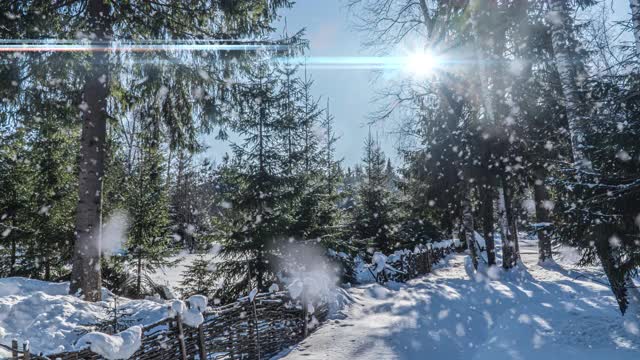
(420, 64)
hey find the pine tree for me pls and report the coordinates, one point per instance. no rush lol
(256, 224)
(148, 246)
(373, 219)
(198, 279)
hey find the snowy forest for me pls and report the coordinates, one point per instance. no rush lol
(506, 226)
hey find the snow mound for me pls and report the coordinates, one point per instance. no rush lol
(52, 321)
(18, 285)
(191, 311)
(198, 302)
(120, 346)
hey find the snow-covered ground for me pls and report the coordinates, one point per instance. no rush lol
(52, 321)
(552, 312)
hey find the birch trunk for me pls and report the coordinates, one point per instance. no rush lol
(565, 64)
(86, 273)
(635, 18)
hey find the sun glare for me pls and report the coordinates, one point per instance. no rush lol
(421, 64)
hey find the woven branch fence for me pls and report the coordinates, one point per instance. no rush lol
(413, 264)
(245, 329)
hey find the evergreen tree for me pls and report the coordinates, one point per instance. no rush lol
(257, 222)
(373, 219)
(148, 243)
(198, 279)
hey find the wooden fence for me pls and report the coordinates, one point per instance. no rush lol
(245, 329)
(411, 265)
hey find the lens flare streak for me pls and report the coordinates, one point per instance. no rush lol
(16, 46)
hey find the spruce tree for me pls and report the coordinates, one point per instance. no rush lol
(198, 279)
(373, 219)
(256, 223)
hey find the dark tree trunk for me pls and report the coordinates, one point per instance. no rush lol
(139, 274)
(617, 277)
(508, 227)
(12, 267)
(467, 223)
(86, 273)
(486, 211)
(541, 196)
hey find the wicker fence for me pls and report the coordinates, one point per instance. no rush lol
(245, 329)
(413, 264)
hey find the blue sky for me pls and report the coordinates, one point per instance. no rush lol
(349, 91)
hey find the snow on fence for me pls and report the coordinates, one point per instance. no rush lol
(255, 328)
(404, 265)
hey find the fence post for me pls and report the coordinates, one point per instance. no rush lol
(26, 354)
(14, 349)
(201, 344)
(255, 324)
(183, 349)
(305, 310)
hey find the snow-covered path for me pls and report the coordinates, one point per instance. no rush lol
(537, 313)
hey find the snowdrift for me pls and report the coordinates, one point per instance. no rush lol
(52, 321)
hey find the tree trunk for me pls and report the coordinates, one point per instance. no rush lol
(541, 197)
(508, 243)
(86, 273)
(512, 223)
(467, 224)
(616, 276)
(139, 274)
(486, 211)
(13, 257)
(565, 64)
(635, 18)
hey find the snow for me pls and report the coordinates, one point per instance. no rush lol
(52, 321)
(192, 318)
(199, 302)
(120, 346)
(534, 312)
(295, 289)
(191, 311)
(252, 294)
(380, 261)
